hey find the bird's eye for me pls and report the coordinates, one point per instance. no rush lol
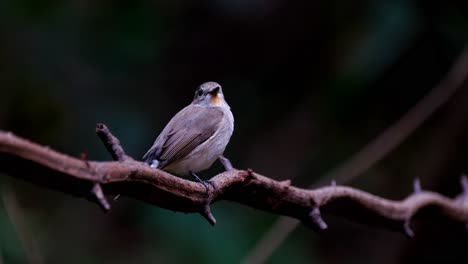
(200, 92)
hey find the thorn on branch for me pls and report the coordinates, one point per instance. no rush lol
(247, 174)
(407, 228)
(417, 185)
(100, 198)
(286, 183)
(206, 212)
(84, 155)
(316, 218)
(250, 173)
(111, 143)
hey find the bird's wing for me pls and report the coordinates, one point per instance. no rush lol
(189, 128)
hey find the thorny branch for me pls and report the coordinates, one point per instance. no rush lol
(125, 176)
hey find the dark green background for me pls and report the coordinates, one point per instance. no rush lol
(309, 82)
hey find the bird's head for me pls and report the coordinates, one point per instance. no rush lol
(209, 94)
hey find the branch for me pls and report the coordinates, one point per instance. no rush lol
(374, 151)
(46, 167)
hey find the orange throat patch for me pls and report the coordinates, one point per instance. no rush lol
(215, 100)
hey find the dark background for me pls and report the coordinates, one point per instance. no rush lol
(309, 82)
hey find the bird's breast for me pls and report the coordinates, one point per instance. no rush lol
(204, 155)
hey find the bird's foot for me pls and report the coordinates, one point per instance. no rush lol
(205, 183)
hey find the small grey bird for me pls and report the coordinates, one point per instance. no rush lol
(196, 136)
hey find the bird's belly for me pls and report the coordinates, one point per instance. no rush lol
(201, 158)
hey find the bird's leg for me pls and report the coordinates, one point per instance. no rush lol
(226, 163)
(214, 186)
(200, 181)
(205, 183)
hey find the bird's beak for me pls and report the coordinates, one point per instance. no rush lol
(215, 91)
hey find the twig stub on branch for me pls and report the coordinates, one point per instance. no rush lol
(111, 143)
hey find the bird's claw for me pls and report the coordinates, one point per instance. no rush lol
(205, 184)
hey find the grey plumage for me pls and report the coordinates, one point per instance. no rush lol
(189, 128)
(196, 136)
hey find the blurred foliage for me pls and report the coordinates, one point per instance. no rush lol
(309, 82)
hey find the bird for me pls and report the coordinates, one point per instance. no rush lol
(196, 136)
